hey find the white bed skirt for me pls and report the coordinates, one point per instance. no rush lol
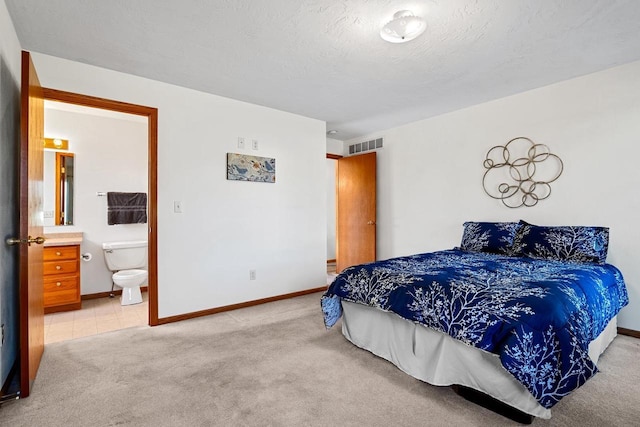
(438, 359)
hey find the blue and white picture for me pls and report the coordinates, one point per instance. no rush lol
(241, 167)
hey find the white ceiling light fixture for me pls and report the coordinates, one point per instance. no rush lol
(404, 27)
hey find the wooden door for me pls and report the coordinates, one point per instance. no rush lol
(30, 215)
(356, 210)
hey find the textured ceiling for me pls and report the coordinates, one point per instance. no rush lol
(325, 59)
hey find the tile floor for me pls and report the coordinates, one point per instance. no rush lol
(106, 314)
(97, 316)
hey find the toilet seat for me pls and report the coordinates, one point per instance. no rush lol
(128, 275)
(130, 281)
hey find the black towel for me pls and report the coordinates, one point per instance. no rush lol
(126, 208)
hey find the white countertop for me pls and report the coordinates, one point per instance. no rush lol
(63, 239)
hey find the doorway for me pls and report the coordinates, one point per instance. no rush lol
(151, 115)
(356, 209)
(109, 152)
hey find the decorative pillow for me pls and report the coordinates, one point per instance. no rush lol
(563, 243)
(494, 237)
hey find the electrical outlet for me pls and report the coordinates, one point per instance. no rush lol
(241, 143)
(252, 275)
(48, 214)
(254, 144)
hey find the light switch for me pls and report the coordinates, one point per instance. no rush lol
(241, 143)
(177, 206)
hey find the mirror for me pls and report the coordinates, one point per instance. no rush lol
(59, 170)
(64, 188)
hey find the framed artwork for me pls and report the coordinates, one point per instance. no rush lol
(520, 172)
(241, 167)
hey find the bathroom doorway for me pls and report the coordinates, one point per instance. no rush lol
(117, 158)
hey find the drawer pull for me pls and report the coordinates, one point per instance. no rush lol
(58, 283)
(58, 267)
(58, 253)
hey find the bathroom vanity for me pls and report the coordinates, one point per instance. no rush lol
(61, 258)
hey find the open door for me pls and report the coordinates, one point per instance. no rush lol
(356, 210)
(30, 214)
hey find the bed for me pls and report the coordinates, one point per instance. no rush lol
(518, 312)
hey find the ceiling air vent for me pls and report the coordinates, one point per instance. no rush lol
(365, 146)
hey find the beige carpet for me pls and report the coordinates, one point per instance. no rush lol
(275, 365)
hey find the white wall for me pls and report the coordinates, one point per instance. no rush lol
(228, 227)
(49, 187)
(110, 155)
(430, 171)
(335, 146)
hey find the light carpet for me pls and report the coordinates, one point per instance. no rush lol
(275, 365)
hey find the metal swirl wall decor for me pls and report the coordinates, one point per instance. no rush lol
(521, 180)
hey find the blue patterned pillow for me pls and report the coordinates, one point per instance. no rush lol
(563, 243)
(493, 237)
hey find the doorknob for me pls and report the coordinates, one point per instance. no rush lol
(371, 223)
(14, 241)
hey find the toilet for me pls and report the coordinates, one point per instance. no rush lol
(127, 260)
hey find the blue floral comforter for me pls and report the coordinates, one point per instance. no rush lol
(539, 316)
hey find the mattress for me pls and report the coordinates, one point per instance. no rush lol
(438, 359)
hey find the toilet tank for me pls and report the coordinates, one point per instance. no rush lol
(125, 255)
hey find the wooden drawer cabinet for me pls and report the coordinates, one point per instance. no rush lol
(60, 267)
(61, 278)
(53, 253)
